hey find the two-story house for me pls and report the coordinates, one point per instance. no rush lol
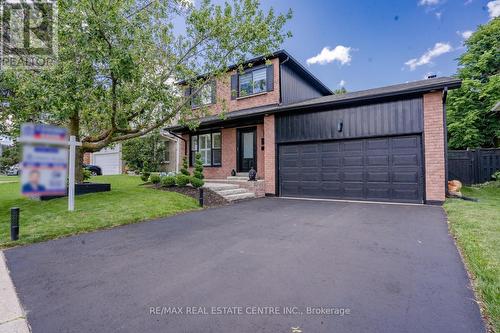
(384, 144)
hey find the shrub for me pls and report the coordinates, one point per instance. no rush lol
(182, 180)
(184, 169)
(496, 175)
(196, 182)
(168, 181)
(86, 174)
(198, 167)
(154, 178)
(145, 175)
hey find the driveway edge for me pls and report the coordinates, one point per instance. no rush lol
(12, 316)
(488, 326)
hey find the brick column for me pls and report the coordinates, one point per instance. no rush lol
(269, 155)
(87, 158)
(434, 148)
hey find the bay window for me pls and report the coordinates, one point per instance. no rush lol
(209, 147)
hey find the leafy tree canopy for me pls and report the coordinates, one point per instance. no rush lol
(471, 123)
(119, 61)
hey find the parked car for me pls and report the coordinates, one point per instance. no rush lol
(94, 169)
(14, 170)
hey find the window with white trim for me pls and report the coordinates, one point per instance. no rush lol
(209, 146)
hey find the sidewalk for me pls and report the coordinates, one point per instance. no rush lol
(12, 317)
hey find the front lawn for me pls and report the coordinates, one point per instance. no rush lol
(476, 227)
(128, 202)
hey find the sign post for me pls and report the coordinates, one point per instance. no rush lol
(72, 157)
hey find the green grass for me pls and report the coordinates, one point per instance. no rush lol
(128, 202)
(476, 227)
(8, 179)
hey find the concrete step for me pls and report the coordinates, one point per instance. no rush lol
(216, 187)
(237, 178)
(240, 196)
(232, 191)
(242, 174)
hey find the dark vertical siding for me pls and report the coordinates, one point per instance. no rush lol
(294, 88)
(385, 118)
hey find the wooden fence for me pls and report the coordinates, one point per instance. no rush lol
(473, 166)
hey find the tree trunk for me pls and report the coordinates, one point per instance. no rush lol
(74, 129)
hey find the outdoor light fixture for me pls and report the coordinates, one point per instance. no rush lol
(340, 126)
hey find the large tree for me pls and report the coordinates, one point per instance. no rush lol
(119, 61)
(471, 123)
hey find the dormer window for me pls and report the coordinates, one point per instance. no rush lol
(252, 81)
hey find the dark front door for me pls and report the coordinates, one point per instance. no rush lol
(246, 152)
(378, 169)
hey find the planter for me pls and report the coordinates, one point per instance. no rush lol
(83, 188)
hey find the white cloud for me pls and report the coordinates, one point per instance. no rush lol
(340, 53)
(438, 15)
(494, 8)
(426, 58)
(428, 2)
(465, 34)
(342, 83)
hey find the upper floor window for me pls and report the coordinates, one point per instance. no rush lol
(204, 96)
(252, 82)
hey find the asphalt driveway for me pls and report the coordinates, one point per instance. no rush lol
(363, 267)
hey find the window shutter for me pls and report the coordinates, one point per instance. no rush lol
(214, 92)
(234, 86)
(270, 77)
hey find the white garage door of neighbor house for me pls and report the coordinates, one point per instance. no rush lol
(109, 163)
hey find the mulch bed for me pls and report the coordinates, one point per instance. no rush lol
(210, 198)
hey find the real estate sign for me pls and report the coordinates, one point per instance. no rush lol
(46, 134)
(44, 170)
(45, 160)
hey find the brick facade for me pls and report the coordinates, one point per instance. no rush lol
(224, 103)
(228, 154)
(87, 158)
(229, 135)
(434, 147)
(270, 154)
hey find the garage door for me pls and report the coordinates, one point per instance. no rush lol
(379, 169)
(109, 163)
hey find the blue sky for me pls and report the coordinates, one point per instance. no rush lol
(372, 43)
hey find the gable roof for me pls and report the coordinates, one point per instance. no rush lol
(285, 57)
(397, 90)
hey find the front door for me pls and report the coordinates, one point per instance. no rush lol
(246, 151)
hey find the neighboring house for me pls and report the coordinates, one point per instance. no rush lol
(5, 142)
(384, 144)
(108, 159)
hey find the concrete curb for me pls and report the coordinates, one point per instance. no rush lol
(12, 316)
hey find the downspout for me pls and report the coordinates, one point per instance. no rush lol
(445, 130)
(177, 147)
(281, 72)
(181, 138)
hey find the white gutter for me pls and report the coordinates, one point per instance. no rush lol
(167, 135)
